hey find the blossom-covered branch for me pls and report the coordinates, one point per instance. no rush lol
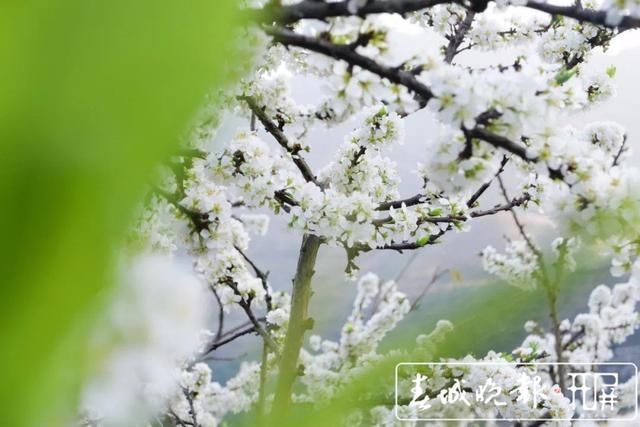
(346, 53)
(309, 9)
(394, 75)
(282, 139)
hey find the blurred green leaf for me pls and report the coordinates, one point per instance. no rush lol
(93, 95)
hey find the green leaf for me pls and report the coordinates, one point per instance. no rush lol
(564, 76)
(423, 241)
(94, 94)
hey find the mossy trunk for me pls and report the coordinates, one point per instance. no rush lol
(299, 322)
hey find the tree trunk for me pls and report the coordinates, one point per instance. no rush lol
(298, 323)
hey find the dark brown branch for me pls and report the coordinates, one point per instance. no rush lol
(420, 198)
(192, 411)
(220, 314)
(219, 343)
(514, 203)
(246, 307)
(411, 201)
(345, 53)
(458, 36)
(500, 142)
(551, 288)
(285, 200)
(321, 10)
(180, 422)
(433, 238)
(394, 75)
(623, 148)
(484, 187)
(519, 224)
(597, 17)
(310, 9)
(455, 219)
(529, 360)
(461, 218)
(402, 246)
(199, 220)
(281, 138)
(241, 326)
(261, 275)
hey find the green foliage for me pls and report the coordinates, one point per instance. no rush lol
(94, 94)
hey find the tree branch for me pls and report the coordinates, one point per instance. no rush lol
(310, 9)
(281, 138)
(246, 307)
(219, 343)
(411, 201)
(458, 37)
(345, 53)
(455, 219)
(199, 220)
(623, 148)
(261, 275)
(519, 224)
(402, 246)
(395, 75)
(420, 198)
(220, 314)
(596, 17)
(462, 218)
(484, 187)
(500, 142)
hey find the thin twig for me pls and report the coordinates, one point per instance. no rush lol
(458, 36)
(263, 276)
(246, 307)
(621, 151)
(484, 187)
(434, 278)
(220, 314)
(219, 343)
(519, 224)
